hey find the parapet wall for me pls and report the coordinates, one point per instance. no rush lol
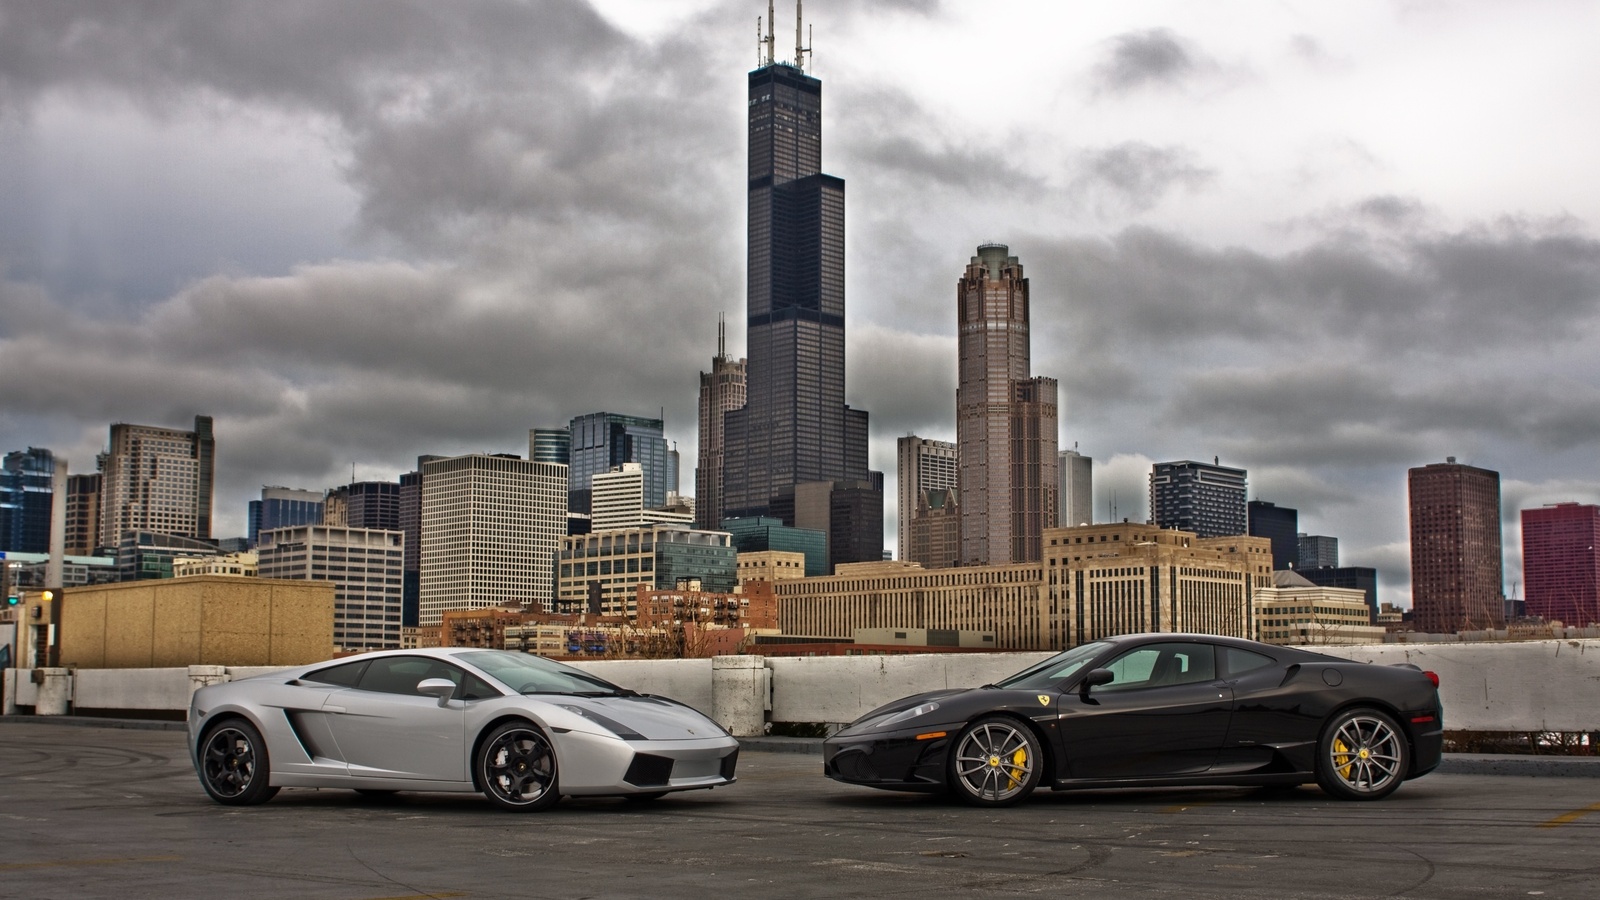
(1551, 685)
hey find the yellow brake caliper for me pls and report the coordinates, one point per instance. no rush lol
(1019, 762)
(1342, 758)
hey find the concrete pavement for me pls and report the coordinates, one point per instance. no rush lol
(91, 811)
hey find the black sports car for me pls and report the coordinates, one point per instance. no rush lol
(1155, 709)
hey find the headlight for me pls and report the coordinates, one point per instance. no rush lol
(906, 715)
(609, 724)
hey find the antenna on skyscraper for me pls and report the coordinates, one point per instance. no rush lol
(722, 338)
(800, 48)
(769, 40)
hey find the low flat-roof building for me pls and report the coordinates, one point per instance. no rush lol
(1295, 612)
(1093, 581)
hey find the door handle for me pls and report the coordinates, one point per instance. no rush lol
(333, 709)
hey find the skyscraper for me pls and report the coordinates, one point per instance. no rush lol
(26, 495)
(1318, 551)
(365, 566)
(281, 507)
(921, 465)
(83, 514)
(794, 427)
(602, 441)
(1560, 568)
(1005, 418)
(157, 480)
(1456, 581)
(721, 390)
(1076, 494)
(1279, 524)
(1205, 498)
(491, 528)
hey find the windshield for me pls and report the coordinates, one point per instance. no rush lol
(529, 674)
(1051, 672)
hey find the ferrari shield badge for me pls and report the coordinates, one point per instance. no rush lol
(1044, 699)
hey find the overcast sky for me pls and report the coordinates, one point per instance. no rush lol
(1324, 242)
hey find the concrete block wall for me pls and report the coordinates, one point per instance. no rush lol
(1551, 685)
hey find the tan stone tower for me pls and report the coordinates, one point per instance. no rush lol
(1005, 418)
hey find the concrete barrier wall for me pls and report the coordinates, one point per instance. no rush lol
(1524, 686)
(131, 688)
(839, 689)
(687, 681)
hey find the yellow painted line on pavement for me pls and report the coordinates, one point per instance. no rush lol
(1567, 818)
(65, 863)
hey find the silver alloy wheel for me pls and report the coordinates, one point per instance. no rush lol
(1365, 754)
(995, 762)
(229, 762)
(519, 768)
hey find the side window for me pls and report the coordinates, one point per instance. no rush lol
(1132, 669)
(475, 688)
(1239, 661)
(401, 674)
(345, 676)
(1162, 665)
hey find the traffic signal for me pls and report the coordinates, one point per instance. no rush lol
(13, 600)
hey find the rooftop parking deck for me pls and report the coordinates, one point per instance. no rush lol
(95, 811)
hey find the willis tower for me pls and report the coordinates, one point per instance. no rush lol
(795, 451)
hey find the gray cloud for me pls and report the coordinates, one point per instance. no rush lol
(1133, 177)
(1155, 57)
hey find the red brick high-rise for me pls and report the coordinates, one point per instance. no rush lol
(1005, 418)
(1560, 569)
(1456, 581)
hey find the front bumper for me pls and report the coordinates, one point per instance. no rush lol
(892, 760)
(596, 765)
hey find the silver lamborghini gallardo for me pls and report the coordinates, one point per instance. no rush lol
(521, 729)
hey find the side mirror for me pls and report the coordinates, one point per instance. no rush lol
(1095, 677)
(443, 688)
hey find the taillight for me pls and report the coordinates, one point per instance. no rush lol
(1433, 677)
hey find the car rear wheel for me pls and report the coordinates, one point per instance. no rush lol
(517, 768)
(1363, 755)
(233, 764)
(996, 762)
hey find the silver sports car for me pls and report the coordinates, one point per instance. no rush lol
(522, 729)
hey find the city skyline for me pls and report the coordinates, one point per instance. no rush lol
(1323, 244)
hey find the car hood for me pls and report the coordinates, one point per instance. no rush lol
(908, 703)
(653, 718)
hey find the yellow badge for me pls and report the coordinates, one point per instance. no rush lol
(1044, 699)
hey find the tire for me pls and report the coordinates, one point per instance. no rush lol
(516, 766)
(996, 761)
(234, 767)
(1363, 755)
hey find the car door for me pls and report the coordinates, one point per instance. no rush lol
(1166, 713)
(386, 729)
(1267, 713)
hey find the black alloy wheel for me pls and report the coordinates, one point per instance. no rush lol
(1363, 755)
(995, 762)
(233, 764)
(517, 768)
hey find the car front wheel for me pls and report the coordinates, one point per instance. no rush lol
(1363, 755)
(233, 764)
(996, 762)
(517, 768)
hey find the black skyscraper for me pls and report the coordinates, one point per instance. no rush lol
(1282, 525)
(795, 427)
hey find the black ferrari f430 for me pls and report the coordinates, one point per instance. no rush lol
(1152, 710)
